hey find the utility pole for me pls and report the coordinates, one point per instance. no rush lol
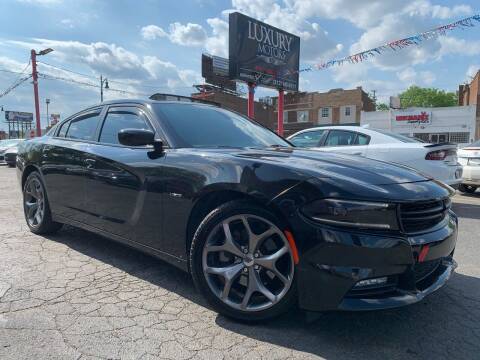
(35, 92)
(33, 55)
(103, 81)
(47, 101)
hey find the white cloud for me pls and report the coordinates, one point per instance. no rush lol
(114, 62)
(41, 2)
(217, 43)
(151, 32)
(187, 35)
(68, 23)
(411, 77)
(452, 45)
(426, 8)
(472, 71)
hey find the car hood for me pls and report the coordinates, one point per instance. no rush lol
(335, 166)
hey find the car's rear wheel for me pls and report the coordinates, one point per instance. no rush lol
(36, 207)
(470, 189)
(242, 262)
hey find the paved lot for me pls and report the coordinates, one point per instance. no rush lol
(76, 295)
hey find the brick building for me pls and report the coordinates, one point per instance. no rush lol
(468, 94)
(335, 107)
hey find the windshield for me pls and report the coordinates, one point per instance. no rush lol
(200, 126)
(402, 138)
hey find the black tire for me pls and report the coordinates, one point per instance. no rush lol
(208, 225)
(45, 225)
(11, 165)
(470, 189)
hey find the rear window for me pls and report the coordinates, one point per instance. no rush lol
(83, 127)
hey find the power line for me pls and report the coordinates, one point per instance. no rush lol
(113, 81)
(17, 82)
(51, 77)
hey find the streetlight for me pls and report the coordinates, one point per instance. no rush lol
(34, 55)
(47, 101)
(102, 82)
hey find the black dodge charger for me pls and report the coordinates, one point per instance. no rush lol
(259, 224)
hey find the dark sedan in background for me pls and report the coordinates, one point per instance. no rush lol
(260, 224)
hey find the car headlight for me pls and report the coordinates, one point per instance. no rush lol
(357, 214)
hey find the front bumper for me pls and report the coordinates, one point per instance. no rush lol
(471, 175)
(336, 260)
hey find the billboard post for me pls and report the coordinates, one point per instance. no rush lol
(280, 113)
(251, 100)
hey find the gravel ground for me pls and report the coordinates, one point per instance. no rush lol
(77, 295)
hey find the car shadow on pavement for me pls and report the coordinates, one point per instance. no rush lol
(469, 211)
(447, 322)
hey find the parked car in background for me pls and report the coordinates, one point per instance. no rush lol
(6, 145)
(469, 157)
(259, 224)
(438, 161)
(10, 156)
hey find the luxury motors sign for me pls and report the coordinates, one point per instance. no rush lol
(262, 54)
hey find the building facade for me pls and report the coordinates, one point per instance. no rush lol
(455, 124)
(336, 107)
(468, 94)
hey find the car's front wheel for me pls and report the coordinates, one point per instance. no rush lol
(467, 188)
(36, 207)
(241, 261)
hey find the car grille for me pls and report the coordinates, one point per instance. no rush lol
(419, 216)
(10, 157)
(424, 269)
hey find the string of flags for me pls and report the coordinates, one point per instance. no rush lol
(397, 44)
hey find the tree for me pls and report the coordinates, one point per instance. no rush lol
(383, 107)
(427, 97)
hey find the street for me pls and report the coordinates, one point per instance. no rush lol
(76, 295)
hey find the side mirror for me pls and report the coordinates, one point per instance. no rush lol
(139, 137)
(136, 137)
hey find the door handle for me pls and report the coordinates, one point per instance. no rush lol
(357, 153)
(90, 163)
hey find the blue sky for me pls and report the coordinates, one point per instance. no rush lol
(156, 45)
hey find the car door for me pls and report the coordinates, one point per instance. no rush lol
(346, 142)
(123, 182)
(308, 139)
(63, 164)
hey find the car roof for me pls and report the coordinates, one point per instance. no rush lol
(359, 129)
(147, 101)
(137, 102)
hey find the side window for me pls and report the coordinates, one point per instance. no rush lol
(340, 138)
(83, 127)
(63, 129)
(362, 139)
(122, 118)
(307, 139)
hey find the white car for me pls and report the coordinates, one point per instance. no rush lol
(469, 157)
(5, 145)
(438, 161)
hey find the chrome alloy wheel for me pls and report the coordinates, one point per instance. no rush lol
(248, 263)
(34, 200)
